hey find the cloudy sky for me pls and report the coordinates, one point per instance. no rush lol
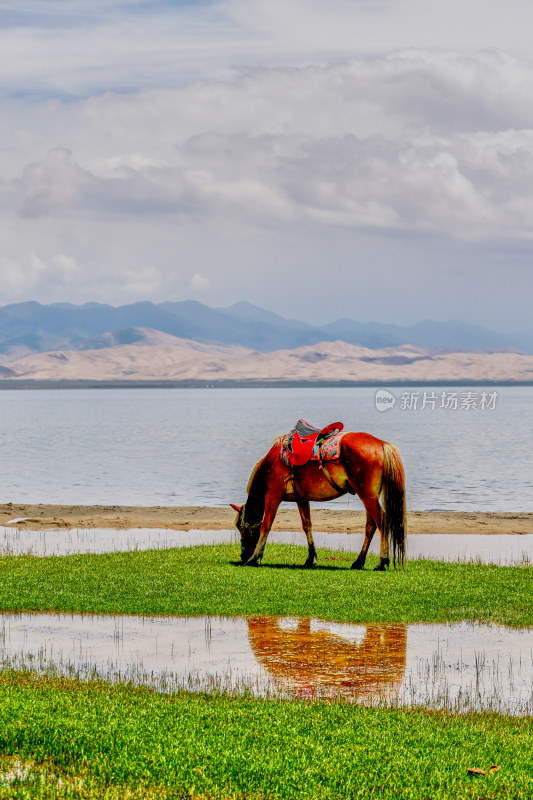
(361, 158)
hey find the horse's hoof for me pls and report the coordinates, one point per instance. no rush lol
(382, 566)
(252, 562)
(309, 564)
(357, 565)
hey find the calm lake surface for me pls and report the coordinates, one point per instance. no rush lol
(198, 446)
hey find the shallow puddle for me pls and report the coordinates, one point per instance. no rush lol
(66, 542)
(460, 667)
(494, 549)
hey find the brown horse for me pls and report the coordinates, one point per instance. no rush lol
(366, 466)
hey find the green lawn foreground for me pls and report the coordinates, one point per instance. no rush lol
(93, 740)
(70, 739)
(203, 580)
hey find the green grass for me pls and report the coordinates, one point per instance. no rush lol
(93, 740)
(202, 580)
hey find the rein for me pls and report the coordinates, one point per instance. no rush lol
(250, 526)
(322, 466)
(333, 483)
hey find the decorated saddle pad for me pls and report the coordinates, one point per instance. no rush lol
(330, 449)
(305, 443)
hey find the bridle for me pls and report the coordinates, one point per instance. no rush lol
(250, 527)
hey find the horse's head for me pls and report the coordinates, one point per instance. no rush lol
(249, 532)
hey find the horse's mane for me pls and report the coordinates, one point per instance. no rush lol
(275, 444)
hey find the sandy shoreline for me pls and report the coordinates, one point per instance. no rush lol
(207, 518)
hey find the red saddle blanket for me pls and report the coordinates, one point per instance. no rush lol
(306, 443)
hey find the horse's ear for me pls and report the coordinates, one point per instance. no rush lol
(236, 508)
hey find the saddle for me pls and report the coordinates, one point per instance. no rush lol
(304, 442)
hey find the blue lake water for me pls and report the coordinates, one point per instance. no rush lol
(198, 446)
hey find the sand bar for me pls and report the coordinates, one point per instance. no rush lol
(35, 517)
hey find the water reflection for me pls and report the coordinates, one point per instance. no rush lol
(457, 667)
(504, 549)
(316, 657)
(67, 542)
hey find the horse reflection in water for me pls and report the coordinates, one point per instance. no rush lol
(320, 658)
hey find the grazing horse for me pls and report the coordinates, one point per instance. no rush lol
(365, 466)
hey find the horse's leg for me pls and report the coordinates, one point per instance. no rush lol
(373, 521)
(377, 514)
(384, 560)
(305, 515)
(370, 529)
(272, 501)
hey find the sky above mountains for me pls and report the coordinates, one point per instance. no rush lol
(350, 158)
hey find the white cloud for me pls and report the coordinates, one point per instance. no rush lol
(405, 165)
(377, 26)
(53, 185)
(381, 143)
(32, 273)
(78, 48)
(462, 183)
(199, 282)
(141, 281)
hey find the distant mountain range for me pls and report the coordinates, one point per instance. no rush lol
(162, 358)
(30, 327)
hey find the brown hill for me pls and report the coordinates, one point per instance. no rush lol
(158, 356)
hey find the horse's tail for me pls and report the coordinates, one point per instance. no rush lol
(394, 517)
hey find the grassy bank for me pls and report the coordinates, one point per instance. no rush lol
(203, 580)
(93, 740)
(61, 738)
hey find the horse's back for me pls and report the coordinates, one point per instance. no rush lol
(362, 445)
